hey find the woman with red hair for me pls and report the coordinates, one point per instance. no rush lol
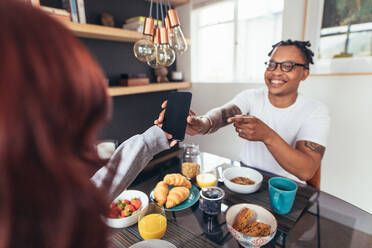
(53, 99)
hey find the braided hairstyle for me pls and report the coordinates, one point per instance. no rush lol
(302, 45)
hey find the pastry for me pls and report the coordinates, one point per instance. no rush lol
(161, 192)
(177, 179)
(242, 219)
(176, 196)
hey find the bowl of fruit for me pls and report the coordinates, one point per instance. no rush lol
(126, 208)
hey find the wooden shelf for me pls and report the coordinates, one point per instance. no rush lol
(102, 32)
(155, 87)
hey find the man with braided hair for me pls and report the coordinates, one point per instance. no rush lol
(285, 132)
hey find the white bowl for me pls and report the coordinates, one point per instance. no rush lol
(261, 215)
(252, 174)
(133, 219)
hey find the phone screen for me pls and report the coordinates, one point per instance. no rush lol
(176, 112)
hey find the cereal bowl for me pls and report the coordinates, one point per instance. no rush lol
(261, 215)
(252, 174)
(130, 220)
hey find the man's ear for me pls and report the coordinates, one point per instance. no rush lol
(306, 74)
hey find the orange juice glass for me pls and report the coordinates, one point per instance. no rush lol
(206, 180)
(153, 224)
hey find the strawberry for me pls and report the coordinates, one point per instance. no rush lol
(125, 213)
(113, 205)
(136, 203)
(130, 208)
(126, 202)
(114, 213)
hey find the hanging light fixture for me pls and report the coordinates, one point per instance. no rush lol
(165, 55)
(144, 49)
(154, 63)
(161, 42)
(176, 37)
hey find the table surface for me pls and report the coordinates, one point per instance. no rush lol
(300, 227)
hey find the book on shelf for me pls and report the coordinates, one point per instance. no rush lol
(60, 14)
(73, 10)
(81, 11)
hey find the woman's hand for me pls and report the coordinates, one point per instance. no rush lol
(195, 124)
(159, 123)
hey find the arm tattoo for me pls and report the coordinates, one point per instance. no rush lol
(315, 147)
(228, 112)
(220, 115)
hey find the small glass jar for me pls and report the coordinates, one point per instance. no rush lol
(191, 161)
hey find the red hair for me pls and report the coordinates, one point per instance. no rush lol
(53, 98)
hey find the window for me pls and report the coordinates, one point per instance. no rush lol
(231, 38)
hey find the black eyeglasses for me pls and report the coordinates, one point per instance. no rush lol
(285, 66)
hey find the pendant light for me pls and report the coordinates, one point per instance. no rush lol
(167, 55)
(144, 49)
(154, 62)
(176, 37)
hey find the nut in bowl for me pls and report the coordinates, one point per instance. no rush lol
(130, 204)
(242, 180)
(252, 221)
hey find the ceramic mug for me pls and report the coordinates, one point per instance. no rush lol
(282, 194)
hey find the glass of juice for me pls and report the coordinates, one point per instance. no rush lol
(153, 224)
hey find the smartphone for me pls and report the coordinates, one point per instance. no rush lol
(176, 112)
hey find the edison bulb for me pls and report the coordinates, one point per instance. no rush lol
(178, 40)
(166, 55)
(154, 62)
(144, 49)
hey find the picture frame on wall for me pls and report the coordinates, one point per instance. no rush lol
(341, 34)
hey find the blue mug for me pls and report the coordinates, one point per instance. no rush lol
(282, 194)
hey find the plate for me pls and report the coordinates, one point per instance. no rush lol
(153, 243)
(191, 200)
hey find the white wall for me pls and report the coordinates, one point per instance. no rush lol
(346, 167)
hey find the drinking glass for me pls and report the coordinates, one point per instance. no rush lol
(152, 224)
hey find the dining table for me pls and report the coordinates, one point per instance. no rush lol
(317, 219)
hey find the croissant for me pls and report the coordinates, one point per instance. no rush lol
(161, 192)
(176, 196)
(177, 179)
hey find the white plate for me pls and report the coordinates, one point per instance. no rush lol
(153, 243)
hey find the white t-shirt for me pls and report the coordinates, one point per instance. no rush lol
(306, 119)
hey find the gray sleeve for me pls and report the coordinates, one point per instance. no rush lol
(128, 161)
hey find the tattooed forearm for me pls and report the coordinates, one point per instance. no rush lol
(220, 115)
(228, 112)
(315, 147)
